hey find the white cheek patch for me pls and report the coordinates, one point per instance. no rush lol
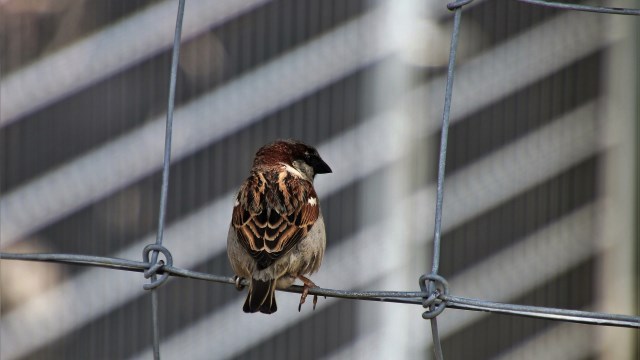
(290, 169)
(312, 201)
(236, 203)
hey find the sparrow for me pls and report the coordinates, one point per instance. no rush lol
(277, 232)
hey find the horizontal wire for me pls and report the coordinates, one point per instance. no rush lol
(588, 8)
(402, 297)
(540, 312)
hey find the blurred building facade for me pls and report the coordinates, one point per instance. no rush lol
(540, 197)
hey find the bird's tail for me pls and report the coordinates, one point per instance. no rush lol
(261, 297)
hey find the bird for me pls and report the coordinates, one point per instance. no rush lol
(277, 232)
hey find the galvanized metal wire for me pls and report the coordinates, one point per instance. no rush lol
(434, 309)
(157, 248)
(580, 7)
(402, 297)
(434, 294)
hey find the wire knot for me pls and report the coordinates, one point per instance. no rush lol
(155, 265)
(457, 4)
(436, 286)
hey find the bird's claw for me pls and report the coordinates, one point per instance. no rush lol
(305, 292)
(238, 282)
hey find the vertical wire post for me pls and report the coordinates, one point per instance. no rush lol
(165, 173)
(441, 169)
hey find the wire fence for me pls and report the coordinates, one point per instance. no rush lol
(434, 294)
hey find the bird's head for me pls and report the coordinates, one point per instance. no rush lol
(301, 157)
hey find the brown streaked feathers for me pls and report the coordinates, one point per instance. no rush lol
(275, 219)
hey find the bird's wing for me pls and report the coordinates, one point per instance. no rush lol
(273, 212)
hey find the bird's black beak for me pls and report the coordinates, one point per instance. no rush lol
(319, 166)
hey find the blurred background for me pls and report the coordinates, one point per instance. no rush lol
(541, 195)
